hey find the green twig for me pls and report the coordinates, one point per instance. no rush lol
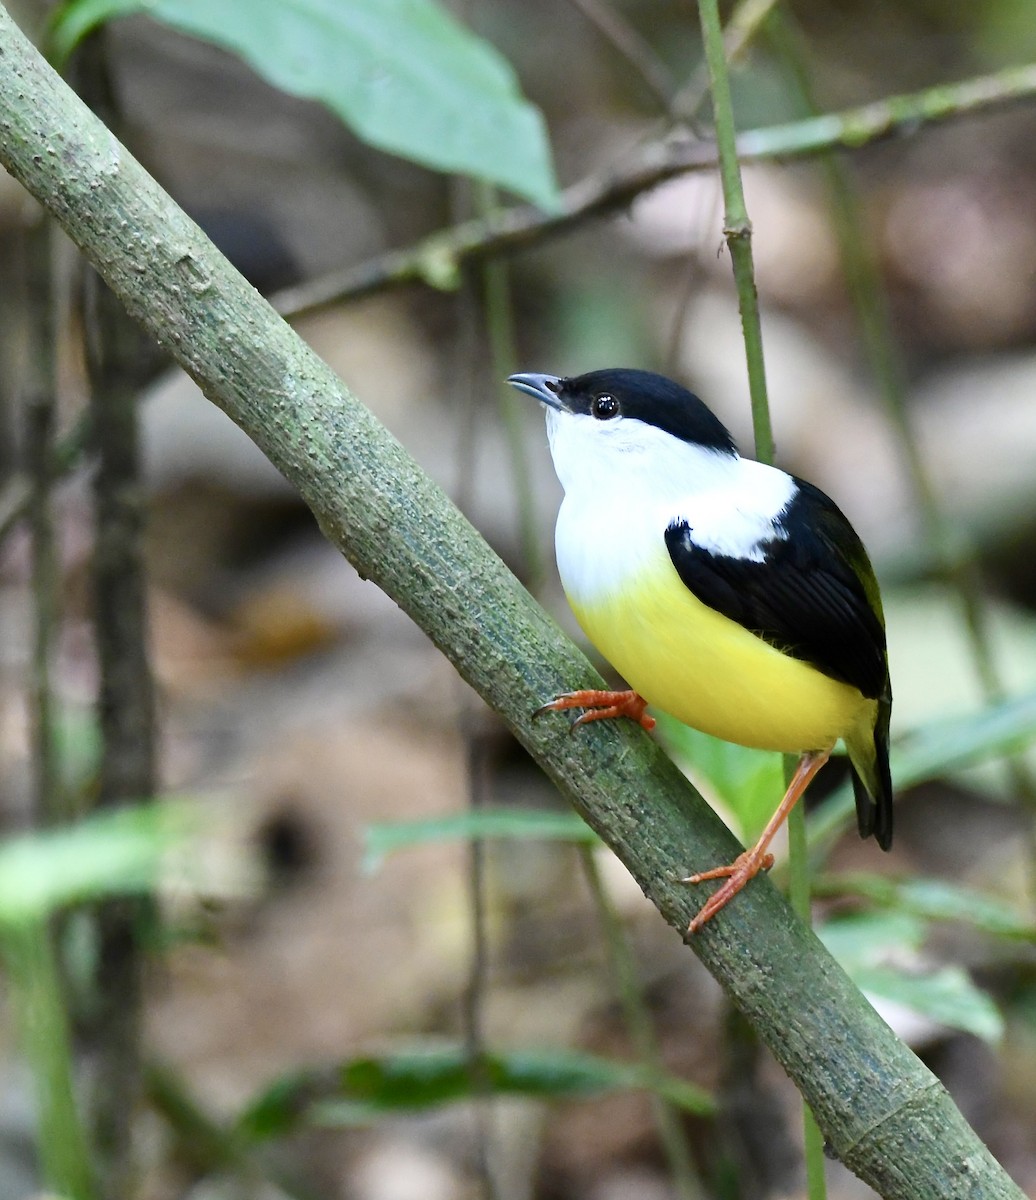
(737, 228)
(503, 355)
(881, 1111)
(437, 259)
(738, 231)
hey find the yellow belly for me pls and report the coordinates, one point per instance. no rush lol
(709, 672)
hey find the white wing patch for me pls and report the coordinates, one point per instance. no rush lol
(721, 528)
(740, 516)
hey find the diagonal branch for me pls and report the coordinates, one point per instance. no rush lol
(880, 1109)
(627, 42)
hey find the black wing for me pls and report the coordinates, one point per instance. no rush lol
(812, 595)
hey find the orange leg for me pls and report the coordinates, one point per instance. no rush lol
(748, 864)
(602, 706)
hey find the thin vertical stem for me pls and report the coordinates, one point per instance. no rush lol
(738, 231)
(469, 354)
(503, 355)
(642, 1033)
(478, 963)
(745, 21)
(40, 408)
(119, 359)
(799, 895)
(737, 228)
(798, 883)
(36, 991)
(956, 557)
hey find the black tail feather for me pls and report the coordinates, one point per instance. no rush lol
(874, 802)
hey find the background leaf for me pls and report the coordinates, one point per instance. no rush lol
(404, 75)
(749, 783)
(937, 749)
(404, 1080)
(521, 824)
(952, 744)
(946, 995)
(932, 899)
(116, 853)
(881, 952)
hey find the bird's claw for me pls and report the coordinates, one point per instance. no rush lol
(600, 706)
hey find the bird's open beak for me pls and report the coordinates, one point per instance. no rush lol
(544, 388)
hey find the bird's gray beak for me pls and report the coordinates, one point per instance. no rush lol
(544, 388)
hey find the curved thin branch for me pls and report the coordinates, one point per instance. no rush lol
(437, 259)
(628, 43)
(880, 1109)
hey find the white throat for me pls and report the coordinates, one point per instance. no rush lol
(626, 482)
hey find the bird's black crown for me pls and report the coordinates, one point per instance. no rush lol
(653, 399)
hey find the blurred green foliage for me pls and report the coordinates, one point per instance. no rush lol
(404, 75)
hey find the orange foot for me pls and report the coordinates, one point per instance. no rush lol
(749, 863)
(602, 706)
(745, 867)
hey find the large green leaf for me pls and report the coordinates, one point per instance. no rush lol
(946, 995)
(404, 75)
(369, 1086)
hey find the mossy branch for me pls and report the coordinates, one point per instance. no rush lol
(882, 1112)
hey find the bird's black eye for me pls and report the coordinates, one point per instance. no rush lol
(604, 406)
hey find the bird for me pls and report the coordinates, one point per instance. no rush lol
(728, 593)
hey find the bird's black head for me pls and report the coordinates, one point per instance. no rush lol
(634, 395)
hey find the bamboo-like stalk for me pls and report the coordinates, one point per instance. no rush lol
(503, 353)
(881, 1111)
(737, 229)
(956, 556)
